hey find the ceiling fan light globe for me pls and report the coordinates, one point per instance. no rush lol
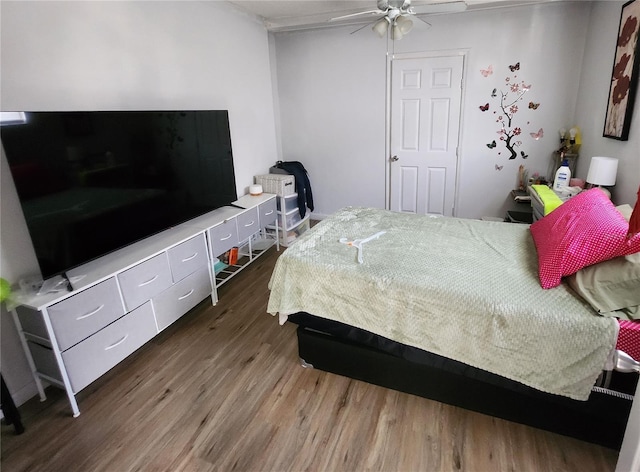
(404, 24)
(396, 33)
(381, 26)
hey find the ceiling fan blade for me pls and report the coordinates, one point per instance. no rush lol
(432, 8)
(369, 12)
(363, 27)
(423, 20)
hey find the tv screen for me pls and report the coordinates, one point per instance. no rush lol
(92, 182)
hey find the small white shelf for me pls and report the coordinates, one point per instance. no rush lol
(247, 253)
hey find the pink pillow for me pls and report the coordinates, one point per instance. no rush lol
(585, 230)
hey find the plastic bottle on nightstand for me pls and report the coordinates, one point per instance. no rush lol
(563, 176)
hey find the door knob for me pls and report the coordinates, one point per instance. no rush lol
(394, 158)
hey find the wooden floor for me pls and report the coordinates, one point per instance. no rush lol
(222, 390)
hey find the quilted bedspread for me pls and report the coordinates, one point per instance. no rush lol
(464, 289)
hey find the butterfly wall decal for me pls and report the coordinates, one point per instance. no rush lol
(484, 107)
(514, 67)
(487, 72)
(492, 144)
(494, 93)
(499, 167)
(534, 106)
(523, 155)
(537, 135)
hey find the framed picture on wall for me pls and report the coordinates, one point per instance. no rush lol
(624, 78)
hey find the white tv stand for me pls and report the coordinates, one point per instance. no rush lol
(123, 299)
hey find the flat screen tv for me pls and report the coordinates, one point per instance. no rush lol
(92, 182)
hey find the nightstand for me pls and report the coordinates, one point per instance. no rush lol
(523, 213)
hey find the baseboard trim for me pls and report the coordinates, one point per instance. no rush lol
(25, 393)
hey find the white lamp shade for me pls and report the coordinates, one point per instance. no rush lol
(396, 32)
(405, 24)
(602, 170)
(380, 26)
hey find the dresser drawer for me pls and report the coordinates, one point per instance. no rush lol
(187, 257)
(94, 356)
(144, 281)
(224, 236)
(81, 315)
(268, 213)
(32, 322)
(181, 297)
(45, 360)
(248, 223)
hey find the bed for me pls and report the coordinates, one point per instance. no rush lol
(454, 310)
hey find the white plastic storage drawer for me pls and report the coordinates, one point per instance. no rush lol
(248, 223)
(291, 219)
(187, 257)
(81, 315)
(94, 356)
(289, 237)
(268, 213)
(180, 298)
(224, 236)
(144, 281)
(290, 202)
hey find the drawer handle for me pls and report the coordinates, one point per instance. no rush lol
(269, 213)
(190, 257)
(249, 224)
(87, 315)
(117, 343)
(185, 295)
(225, 238)
(148, 281)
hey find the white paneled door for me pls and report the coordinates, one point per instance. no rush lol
(426, 95)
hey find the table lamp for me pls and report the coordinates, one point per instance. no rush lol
(602, 171)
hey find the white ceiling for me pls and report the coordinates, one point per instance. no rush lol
(290, 15)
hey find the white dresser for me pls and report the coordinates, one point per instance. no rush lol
(122, 300)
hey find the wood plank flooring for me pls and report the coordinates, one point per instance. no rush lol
(222, 390)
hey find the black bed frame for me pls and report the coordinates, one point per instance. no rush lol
(600, 420)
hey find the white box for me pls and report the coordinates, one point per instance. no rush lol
(280, 184)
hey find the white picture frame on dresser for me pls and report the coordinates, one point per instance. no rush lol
(120, 301)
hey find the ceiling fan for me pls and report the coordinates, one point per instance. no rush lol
(396, 15)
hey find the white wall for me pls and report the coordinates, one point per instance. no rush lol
(332, 91)
(547, 40)
(131, 55)
(16, 259)
(592, 104)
